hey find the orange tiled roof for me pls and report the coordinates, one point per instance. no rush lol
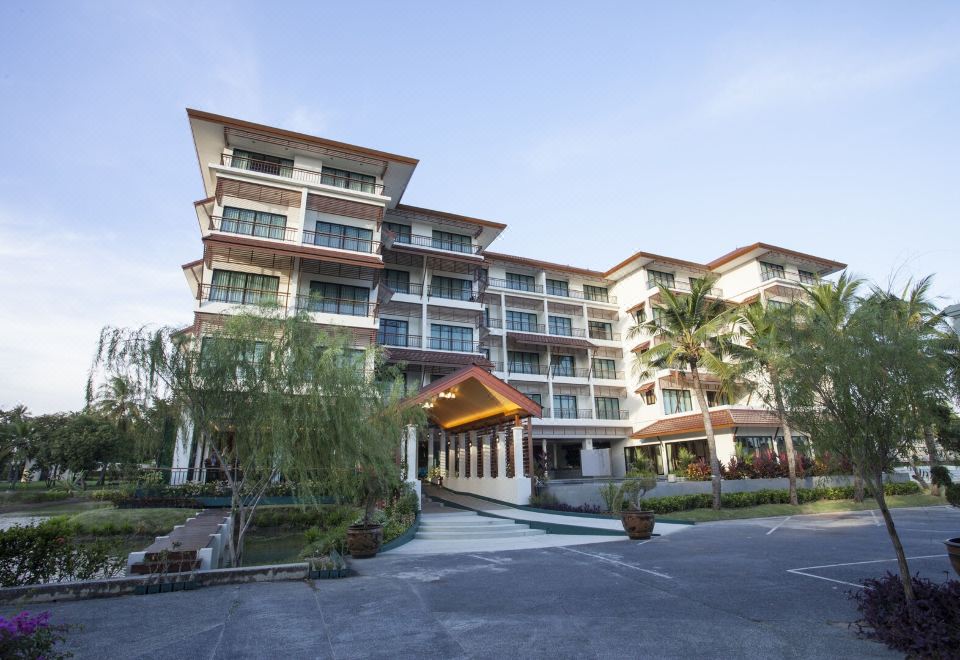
(726, 418)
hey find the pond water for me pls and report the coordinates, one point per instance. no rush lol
(6, 522)
(273, 546)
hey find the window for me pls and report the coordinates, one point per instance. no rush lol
(600, 330)
(596, 293)
(451, 287)
(806, 277)
(253, 223)
(451, 338)
(659, 278)
(608, 407)
(338, 299)
(354, 357)
(561, 325)
(393, 332)
(536, 397)
(657, 315)
(676, 401)
(563, 365)
(331, 176)
(771, 271)
(640, 315)
(521, 362)
(558, 288)
(255, 162)
(801, 444)
(343, 237)
(778, 304)
(564, 406)
(650, 397)
(522, 321)
(444, 240)
(248, 357)
(519, 282)
(243, 288)
(401, 233)
(753, 444)
(604, 368)
(717, 399)
(397, 280)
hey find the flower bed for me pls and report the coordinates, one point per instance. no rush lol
(25, 636)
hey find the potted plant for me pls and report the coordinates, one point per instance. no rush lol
(435, 475)
(365, 536)
(640, 480)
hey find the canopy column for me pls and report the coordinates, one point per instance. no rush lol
(411, 456)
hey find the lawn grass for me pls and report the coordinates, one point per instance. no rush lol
(111, 521)
(820, 506)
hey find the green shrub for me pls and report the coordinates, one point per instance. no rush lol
(953, 494)
(543, 500)
(940, 476)
(34, 496)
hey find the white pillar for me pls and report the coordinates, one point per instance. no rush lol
(462, 454)
(430, 459)
(501, 454)
(485, 457)
(443, 453)
(518, 451)
(473, 453)
(587, 443)
(411, 446)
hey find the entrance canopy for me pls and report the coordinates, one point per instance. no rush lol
(472, 398)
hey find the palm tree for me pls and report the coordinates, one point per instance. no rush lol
(692, 331)
(764, 353)
(118, 401)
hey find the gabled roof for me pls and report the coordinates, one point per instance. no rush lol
(763, 248)
(721, 419)
(545, 265)
(479, 397)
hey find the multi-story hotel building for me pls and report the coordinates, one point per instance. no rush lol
(318, 226)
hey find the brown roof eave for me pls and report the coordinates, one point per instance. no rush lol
(451, 216)
(739, 252)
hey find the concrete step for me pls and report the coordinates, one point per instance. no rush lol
(476, 522)
(468, 528)
(479, 534)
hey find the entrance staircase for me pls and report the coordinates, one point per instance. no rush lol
(468, 525)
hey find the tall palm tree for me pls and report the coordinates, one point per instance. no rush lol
(693, 331)
(764, 353)
(118, 401)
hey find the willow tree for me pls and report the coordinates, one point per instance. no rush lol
(863, 383)
(269, 396)
(691, 331)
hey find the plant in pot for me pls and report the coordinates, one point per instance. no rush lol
(639, 481)
(953, 545)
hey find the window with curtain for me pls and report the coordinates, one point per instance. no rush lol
(445, 240)
(563, 365)
(453, 288)
(801, 444)
(754, 444)
(397, 280)
(771, 271)
(608, 407)
(343, 237)
(604, 368)
(253, 223)
(806, 277)
(717, 399)
(522, 362)
(601, 330)
(521, 282)
(393, 332)
(333, 298)
(451, 338)
(676, 401)
(558, 288)
(596, 293)
(402, 233)
(561, 325)
(521, 321)
(332, 176)
(640, 315)
(660, 278)
(257, 162)
(243, 288)
(565, 406)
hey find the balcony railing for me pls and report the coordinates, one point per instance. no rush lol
(435, 243)
(398, 339)
(539, 329)
(492, 323)
(613, 414)
(253, 229)
(683, 287)
(299, 174)
(319, 305)
(767, 275)
(604, 334)
(456, 345)
(524, 287)
(515, 286)
(606, 374)
(340, 242)
(560, 371)
(451, 293)
(567, 413)
(240, 296)
(527, 369)
(411, 288)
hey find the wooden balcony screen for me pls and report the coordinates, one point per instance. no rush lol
(344, 207)
(256, 193)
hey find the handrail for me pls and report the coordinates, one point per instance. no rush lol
(523, 287)
(256, 229)
(451, 293)
(540, 329)
(339, 241)
(240, 295)
(613, 414)
(397, 339)
(790, 277)
(319, 305)
(563, 413)
(527, 369)
(412, 288)
(299, 174)
(606, 336)
(435, 243)
(454, 345)
(606, 374)
(559, 371)
(515, 286)
(684, 287)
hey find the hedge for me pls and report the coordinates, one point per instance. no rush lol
(758, 497)
(953, 494)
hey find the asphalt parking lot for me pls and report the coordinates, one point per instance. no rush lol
(774, 587)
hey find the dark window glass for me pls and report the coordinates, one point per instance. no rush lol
(243, 288)
(444, 240)
(332, 176)
(596, 293)
(521, 321)
(338, 299)
(253, 223)
(771, 271)
(256, 162)
(558, 288)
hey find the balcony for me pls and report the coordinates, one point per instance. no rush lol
(450, 293)
(613, 414)
(568, 413)
(539, 329)
(319, 305)
(796, 278)
(399, 340)
(409, 288)
(606, 374)
(524, 287)
(604, 335)
(240, 296)
(561, 371)
(515, 286)
(340, 242)
(524, 369)
(298, 174)
(682, 287)
(291, 235)
(418, 240)
(429, 343)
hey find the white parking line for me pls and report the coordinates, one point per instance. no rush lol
(802, 571)
(778, 525)
(619, 563)
(873, 515)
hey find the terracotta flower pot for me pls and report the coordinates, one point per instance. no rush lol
(364, 540)
(953, 549)
(638, 524)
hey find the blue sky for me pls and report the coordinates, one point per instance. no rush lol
(592, 129)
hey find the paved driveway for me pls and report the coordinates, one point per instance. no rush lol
(773, 587)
